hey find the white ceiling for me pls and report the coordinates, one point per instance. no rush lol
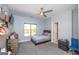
(34, 8)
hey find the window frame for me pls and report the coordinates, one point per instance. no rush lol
(30, 29)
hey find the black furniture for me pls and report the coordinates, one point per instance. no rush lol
(39, 42)
(63, 44)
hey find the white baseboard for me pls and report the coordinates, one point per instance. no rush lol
(23, 41)
(51, 40)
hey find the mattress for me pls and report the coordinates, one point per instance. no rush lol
(40, 38)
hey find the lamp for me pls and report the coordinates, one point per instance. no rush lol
(2, 31)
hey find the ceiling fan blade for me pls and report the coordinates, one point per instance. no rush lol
(48, 11)
(44, 15)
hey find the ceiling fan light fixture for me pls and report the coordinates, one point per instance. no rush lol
(41, 13)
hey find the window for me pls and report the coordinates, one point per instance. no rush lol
(33, 29)
(29, 29)
(26, 29)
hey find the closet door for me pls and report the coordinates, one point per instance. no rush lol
(55, 33)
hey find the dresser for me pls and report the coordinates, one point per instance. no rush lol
(63, 44)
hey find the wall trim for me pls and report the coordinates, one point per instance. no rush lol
(23, 41)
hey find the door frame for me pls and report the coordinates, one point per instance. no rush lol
(57, 31)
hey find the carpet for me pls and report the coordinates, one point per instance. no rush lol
(28, 48)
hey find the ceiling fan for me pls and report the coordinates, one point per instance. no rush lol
(43, 13)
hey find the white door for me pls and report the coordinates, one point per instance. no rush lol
(55, 33)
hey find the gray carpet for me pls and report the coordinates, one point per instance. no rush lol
(28, 48)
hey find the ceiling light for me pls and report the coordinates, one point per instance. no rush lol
(41, 13)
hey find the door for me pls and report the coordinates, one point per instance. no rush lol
(55, 33)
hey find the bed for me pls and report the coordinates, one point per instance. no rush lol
(45, 37)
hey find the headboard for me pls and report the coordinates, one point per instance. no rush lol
(49, 31)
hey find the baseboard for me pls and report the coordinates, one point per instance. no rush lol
(23, 41)
(51, 40)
